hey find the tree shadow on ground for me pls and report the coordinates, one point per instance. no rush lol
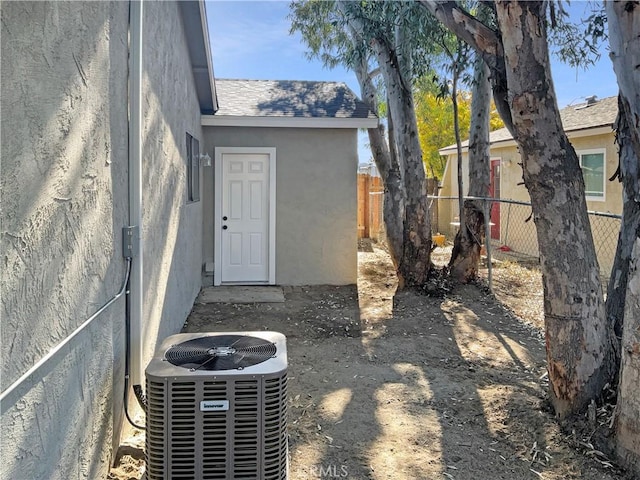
(427, 388)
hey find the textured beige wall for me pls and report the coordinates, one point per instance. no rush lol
(64, 203)
(512, 173)
(64, 194)
(316, 230)
(521, 235)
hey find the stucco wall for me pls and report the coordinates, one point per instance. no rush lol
(64, 192)
(65, 201)
(316, 224)
(172, 227)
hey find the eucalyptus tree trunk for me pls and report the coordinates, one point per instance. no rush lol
(387, 165)
(627, 173)
(580, 343)
(456, 132)
(413, 252)
(624, 38)
(414, 263)
(465, 257)
(628, 411)
(396, 175)
(628, 406)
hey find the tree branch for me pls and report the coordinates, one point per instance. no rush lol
(483, 40)
(468, 28)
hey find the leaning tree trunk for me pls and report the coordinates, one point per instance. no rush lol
(387, 165)
(624, 38)
(580, 345)
(628, 424)
(628, 407)
(414, 263)
(627, 173)
(465, 257)
(396, 176)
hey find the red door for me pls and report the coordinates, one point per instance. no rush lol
(494, 192)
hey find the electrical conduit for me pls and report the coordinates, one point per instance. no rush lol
(75, 333)
(135, 185)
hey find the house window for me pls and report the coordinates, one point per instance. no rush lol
(193, 169)
(592, 163)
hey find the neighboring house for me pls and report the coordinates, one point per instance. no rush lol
(285, 154)
(79, 164)
(589, 127)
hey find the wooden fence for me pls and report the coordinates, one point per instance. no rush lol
(370, 197)
(370, 206)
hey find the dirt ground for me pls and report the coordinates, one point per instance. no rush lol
(413, 386)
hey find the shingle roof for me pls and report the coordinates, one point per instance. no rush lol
(288, 98)
(602, 113)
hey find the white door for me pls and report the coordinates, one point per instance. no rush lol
(244, 216)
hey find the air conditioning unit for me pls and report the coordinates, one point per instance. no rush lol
(217, 407)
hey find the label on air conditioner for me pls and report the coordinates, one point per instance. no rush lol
(214, 406)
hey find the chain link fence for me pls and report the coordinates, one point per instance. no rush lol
(513, 232)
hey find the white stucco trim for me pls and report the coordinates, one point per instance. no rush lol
(603, 152)
(217, 221)
(287, 122)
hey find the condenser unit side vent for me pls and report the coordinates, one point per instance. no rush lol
(218, 424)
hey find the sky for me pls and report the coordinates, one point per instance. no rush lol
(251, 40)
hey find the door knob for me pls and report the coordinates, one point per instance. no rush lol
(224, 227)
(224, 218)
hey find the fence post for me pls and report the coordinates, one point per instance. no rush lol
(376, 191)
(506, 233)
(366, 195)
(487, 241)
(363, 205)
(370, 206)
(432, 191)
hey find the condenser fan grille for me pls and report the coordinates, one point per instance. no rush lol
(220, 352)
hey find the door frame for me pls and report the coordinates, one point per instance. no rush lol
(217, 215)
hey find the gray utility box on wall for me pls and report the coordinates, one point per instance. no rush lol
(217, 407)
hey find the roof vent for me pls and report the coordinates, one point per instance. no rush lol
(591, 100)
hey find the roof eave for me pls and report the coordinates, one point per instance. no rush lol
(207, 46)
(590, 131)
(287, 122)
(510, 142)
(194, 17)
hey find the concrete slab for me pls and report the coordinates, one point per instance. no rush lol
(241, 294)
